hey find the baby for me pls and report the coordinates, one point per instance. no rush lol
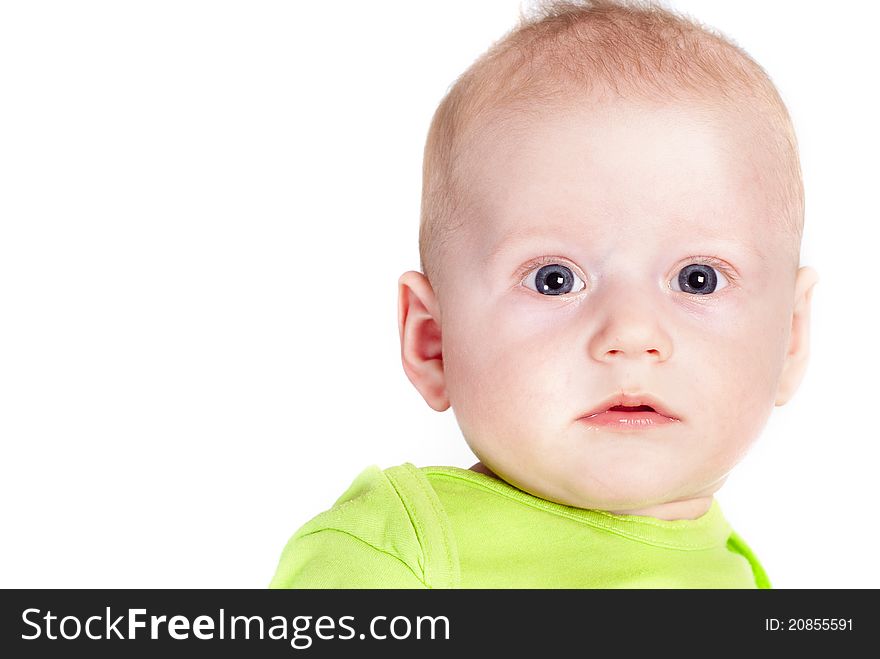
(611, 303)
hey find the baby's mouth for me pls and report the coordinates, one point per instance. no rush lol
(628, 418)
(630, 412)
(635, 408)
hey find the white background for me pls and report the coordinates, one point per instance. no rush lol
(204, 210)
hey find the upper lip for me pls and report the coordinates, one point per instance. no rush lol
(632, 400)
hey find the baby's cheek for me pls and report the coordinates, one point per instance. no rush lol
(745, 381)
(479, 381)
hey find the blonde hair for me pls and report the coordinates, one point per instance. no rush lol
(566, 49)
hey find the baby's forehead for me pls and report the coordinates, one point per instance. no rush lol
(616, 118)
(618, 159)
(585, 182)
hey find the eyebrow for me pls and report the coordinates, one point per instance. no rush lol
(516, 238)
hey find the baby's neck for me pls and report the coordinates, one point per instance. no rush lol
(673, 510)
(669, 511)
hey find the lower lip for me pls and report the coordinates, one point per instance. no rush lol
(617, 420)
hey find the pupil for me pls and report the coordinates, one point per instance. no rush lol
(697, 280)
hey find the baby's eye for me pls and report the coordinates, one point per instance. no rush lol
(554, 279)
(699, 279)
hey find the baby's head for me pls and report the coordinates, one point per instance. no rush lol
(612, 205)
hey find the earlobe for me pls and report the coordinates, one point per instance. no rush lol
(796, 358)
(420, 338)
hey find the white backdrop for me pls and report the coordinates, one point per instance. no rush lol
(204, 210)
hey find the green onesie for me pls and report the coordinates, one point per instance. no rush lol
(448, 527)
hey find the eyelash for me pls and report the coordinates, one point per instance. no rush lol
(702, 259)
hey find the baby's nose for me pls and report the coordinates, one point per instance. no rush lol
(630, 329)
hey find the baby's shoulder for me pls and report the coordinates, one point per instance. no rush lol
(384, 514)
(370, 496)
(393, 509)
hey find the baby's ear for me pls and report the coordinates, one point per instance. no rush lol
(420, 338)
(799, 341)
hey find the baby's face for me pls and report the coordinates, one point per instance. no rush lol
(618, 200)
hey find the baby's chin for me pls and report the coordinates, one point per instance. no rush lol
(629, 473)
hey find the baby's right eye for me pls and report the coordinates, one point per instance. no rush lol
(553, 279)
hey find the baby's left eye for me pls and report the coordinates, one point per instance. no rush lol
(699, 279)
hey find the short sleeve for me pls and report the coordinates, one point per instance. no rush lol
(330, 558)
